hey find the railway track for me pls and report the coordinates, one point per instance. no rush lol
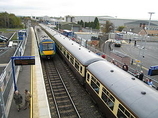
(83, 102)
(61, 102)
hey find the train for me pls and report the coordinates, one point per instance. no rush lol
(117, 93)
(46, 45)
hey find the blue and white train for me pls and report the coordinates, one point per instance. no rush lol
(46, 45)
(117, 93)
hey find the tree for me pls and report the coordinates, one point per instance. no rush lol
(108, 27)
(96, 23)
(120, 28)
(82, 23)
(9, 21)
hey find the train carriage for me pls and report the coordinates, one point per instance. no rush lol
(47, 48)
(119, 94)
(77, 56)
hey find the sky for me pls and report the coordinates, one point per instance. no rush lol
(126, 9)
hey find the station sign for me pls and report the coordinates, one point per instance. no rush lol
(24, 60)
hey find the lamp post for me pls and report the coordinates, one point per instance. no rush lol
(150, 19)
(146, 35)
(72, 27)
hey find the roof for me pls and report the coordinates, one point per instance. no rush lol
(141, 21)
(127, 88)
(83, 55)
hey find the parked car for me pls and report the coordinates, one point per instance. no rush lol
(3, 38)
(117, 43)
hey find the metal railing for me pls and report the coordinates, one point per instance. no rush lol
(6, 80)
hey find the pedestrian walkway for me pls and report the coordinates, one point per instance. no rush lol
(23, 83)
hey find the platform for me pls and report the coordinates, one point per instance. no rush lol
(31, 78)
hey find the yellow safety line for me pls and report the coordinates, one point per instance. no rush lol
(32, 75)
(31, 104)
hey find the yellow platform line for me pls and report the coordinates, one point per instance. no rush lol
(32, 74)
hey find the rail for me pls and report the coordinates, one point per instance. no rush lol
(65, 106)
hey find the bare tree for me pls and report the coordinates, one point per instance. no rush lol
(108, 27)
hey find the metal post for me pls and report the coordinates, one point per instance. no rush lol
(145, 38)
(13, 70)
(72, 27)
(150, 19)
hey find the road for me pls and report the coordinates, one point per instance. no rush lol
(147, 56)
(144, 53)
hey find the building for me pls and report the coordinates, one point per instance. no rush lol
(70, 26)
(117, 21)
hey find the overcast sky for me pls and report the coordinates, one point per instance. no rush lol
(133, 9)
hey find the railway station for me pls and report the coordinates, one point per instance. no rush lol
(24, 71)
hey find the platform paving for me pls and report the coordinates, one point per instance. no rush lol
(24, 82)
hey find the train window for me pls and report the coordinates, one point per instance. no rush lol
(93, 79)
(67, 55)
(77, 65)
(132, 117)
(98, 83)
(107, 101)
(71, 59)
(108, 98)
(110, 104)
(122, 112)
(112, 98)
(121, 107)
(95, 87)
(60, 48)
(104, 97)
(104, 90)
(88, 77)
(47, 46)
(80, 69)
(64, 51)
(127, 113)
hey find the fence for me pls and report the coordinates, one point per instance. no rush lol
(6, 80)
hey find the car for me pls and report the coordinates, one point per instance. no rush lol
(3, 37)
(117, 43)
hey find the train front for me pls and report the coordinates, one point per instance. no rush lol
(47, 49)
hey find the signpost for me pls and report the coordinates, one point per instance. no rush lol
(22, 60)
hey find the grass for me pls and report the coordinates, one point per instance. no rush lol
(10, 30)
(7, 30)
